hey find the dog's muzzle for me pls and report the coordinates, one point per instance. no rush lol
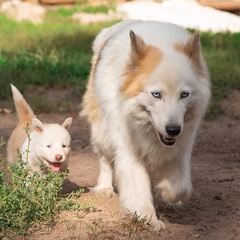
(172, 131)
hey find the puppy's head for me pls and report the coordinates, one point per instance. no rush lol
(52, 143)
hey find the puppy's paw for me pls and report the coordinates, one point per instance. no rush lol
(104, 192)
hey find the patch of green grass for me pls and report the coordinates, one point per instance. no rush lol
(57, 54)
(87, 6)
(96, 9)
(67, 12)
(221, 52)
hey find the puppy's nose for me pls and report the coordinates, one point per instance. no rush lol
(173, 130)
(58, 157)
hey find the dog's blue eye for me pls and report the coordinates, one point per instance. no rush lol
(184, 94)
(156, 95)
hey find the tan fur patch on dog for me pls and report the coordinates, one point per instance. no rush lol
(144, 59)
(90, 104)
(192, 51)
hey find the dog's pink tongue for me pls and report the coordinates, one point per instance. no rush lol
(55, 166)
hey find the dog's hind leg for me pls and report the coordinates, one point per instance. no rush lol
(176, 184)
(104, 186)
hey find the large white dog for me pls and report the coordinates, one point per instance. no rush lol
(147, 93)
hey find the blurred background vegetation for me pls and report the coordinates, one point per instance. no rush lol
(57, 55)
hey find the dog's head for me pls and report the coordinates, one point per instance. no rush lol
(52, 143)
(171, 84)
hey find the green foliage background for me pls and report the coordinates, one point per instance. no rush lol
(54, 54)
(58, 52)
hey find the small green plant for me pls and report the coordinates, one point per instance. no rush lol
(135, 224)
(30, 202)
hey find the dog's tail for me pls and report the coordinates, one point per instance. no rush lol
(24, 111)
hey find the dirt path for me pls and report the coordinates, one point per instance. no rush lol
(212, 213)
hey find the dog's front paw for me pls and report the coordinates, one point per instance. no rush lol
(150, 221)
(104, 192)
(156, 225)
(150, 218)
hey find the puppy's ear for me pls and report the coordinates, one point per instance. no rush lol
(37, 125)
(67, 123)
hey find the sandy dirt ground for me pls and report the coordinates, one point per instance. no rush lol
(213, 211)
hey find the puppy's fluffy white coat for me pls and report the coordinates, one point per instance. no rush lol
(47, 143)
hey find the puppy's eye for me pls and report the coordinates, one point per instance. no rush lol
(184, 94)
(157, 95)
(63, 145)
(49, 146)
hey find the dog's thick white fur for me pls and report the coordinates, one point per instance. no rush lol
(48, 144)
(147, 93)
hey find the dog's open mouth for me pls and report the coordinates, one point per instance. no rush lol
(54, 166)
(167, 141)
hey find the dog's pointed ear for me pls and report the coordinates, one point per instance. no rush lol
(138, 48)
(37, 125)
(193, 47)
(137, 44)
(67, 123)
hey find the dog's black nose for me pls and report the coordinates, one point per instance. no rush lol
(173, 130)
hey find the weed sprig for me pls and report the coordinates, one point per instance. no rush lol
(30, 202)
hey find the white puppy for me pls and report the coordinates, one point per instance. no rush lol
(46, 143)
